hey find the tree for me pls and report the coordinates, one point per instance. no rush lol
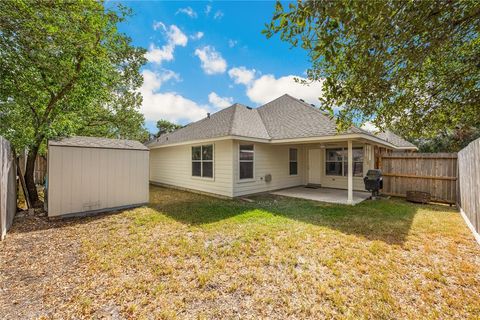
(409, 65)
(448, 140)
(65, 69)
(165, 126)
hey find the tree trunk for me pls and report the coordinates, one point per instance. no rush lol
(29, 177)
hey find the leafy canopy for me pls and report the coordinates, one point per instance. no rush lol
(449, 140)
(65, 69)
(409, 65)
(165, 126)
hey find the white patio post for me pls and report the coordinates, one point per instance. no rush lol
(350, 173)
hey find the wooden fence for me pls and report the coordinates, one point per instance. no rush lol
(435, 173)
(40, 170)
(469, 183)
(8, 187)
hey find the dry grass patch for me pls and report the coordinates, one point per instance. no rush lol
(192, 256)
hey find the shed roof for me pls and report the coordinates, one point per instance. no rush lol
(94, 142)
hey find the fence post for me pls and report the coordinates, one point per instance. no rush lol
(8, 187)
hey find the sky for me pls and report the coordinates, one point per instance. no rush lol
(205, 56)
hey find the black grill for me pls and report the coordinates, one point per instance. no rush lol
(373, 181)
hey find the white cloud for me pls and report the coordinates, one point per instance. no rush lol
(157, 25)
(232, 43)
(197, 36)
(267, 88)
(242, 75)
(167, 105)
(188, 11)
(219, 102)
(153, 80)
(212, 61)
(208, 8)
(218, 15)
(369, 126)
(175, 37)
(158, 55)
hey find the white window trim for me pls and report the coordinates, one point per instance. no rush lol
(201, 161)
(239, 161)
(343, 162)
(290, 160)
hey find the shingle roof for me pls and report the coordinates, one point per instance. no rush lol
(93, 142)
(283, 118)
(287, 117)
(248, 123)
(235, 120)
(391, 137)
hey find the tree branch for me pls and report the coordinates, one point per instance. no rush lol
(66, 88)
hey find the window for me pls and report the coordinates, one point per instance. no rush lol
(293, 161)
(246, 161)
(202, 161)
(336, 162)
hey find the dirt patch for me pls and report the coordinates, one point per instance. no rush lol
(40, 265)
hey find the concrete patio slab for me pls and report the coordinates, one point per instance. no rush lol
(322, 194)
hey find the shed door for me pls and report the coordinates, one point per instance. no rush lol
(314, 166)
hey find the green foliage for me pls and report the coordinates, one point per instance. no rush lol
(65, 69)
(409, 65)
(448, 140)
(165, 126)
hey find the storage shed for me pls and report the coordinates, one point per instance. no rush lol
(88, 175)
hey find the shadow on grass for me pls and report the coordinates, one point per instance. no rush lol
(37, 223)
(195, 209)
(385, 220)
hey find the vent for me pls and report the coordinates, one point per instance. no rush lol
(208, 115)
(301, 100)
(249, 108)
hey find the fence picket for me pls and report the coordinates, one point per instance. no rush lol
(469, 184)
(434, 173)
(8, 187)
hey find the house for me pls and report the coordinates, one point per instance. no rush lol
(284, 143)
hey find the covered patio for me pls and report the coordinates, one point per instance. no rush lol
(330, 195)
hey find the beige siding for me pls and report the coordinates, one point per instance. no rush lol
(173, 166)
(89, 179)
(268, 159)
(341, 182)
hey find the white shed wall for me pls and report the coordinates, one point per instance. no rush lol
(90, 179)
(173, 166)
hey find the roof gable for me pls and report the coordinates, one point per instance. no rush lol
(248, 123)
(287, 117)
(235, 120)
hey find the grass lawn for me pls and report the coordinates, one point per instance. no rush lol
(192, 256)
